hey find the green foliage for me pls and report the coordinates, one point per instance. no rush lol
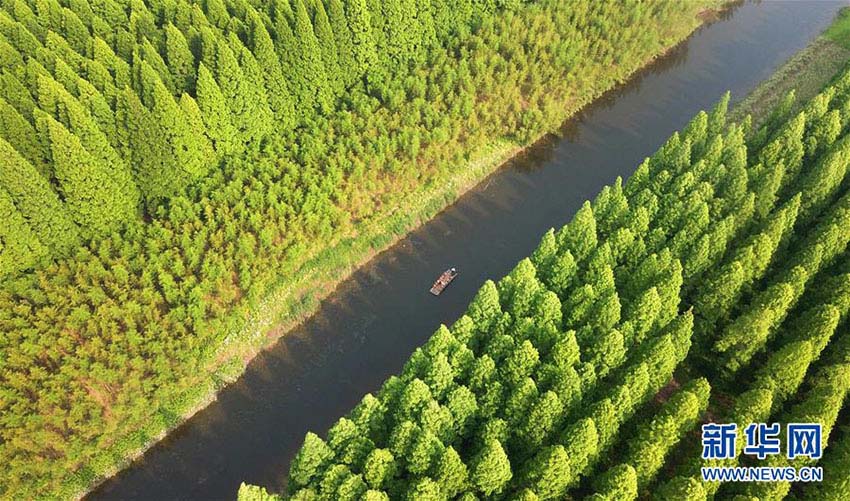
(618, 483)
(490, 470)
(37, 202)
(20, 249)
(311, 459)
(255, 493)
(192, 108)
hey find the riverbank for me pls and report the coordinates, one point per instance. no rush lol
(307, 282)
(806, 72)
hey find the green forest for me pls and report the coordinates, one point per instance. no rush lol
(714, 282)
(169, 165)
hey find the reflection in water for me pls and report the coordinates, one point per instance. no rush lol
(366, 330)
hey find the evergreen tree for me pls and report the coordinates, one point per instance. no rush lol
(20, 249)
(451, 473)
(681, 489)
(380, 468)
(18, 131)
(362, 36)
(277, 88)
(215, 113)
(187, 151)
(327, 45)
(94, 199)
(32, 195)
(490, 470)
(254, 493)
(310, 60)
(67, 110)
(248, 114)
(547, 473)
(349, 72)
(181, 61)
(617, 484)
(310, 461)
(579, 237)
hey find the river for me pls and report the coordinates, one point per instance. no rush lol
(368, 327)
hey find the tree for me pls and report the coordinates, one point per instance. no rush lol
(520, 363)
(20, 249)
(548, 473)
(19, 133)
(425, 489)
(618, 483)
(562, 273)
(307, 57)
(349, 72)
(362, 38)
(62, 106)
(327, 44)
(653, 441)
(581, 442)
(309, 462)
(836, 464)
(254, 493)
(485, 307)
(277, 87)
(607, 352)
(579, 236)
(490, 470)
(380, 468)
(463, 406)
(248, 114)
(181, 61)
(784, 371)
(94, 199)
(425, 450)
(439, 375)
(451, 473)
(185, 154)
(349, 487)
(681, 489)
(261, 123)
(216, 114)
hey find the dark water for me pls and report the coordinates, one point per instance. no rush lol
(366, 330)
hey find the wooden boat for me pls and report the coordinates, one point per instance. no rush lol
(444, 280)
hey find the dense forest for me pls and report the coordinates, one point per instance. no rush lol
(713, 284)
(168, 164)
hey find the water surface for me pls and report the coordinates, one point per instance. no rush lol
(369, 326)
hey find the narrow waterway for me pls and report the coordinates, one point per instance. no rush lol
(369, 326)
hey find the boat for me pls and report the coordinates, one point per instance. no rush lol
(444, 280)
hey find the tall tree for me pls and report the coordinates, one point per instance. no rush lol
(215, 113)
(67, 110)
(92, 196)
(38, 203)
(181, 61)
(18, 131)
(310, 59)
(277, 87)
(490, 470)
(327, 43)
(20, 249)
(362, 37)
(344, 43)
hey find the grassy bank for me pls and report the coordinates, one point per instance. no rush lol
(805, 73)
